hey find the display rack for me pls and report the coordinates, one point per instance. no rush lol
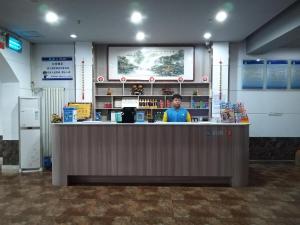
(196, 98)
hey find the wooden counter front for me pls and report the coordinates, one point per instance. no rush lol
(147, 153)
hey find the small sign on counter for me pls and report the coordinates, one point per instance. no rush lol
(84, 110)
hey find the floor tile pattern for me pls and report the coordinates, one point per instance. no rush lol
(272, 198)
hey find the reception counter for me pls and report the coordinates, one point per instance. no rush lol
(192, 153)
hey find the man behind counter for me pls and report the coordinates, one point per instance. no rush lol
(176, 113)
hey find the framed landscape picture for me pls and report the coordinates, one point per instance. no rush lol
(161, 62)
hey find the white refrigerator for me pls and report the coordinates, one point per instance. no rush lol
(29, 133)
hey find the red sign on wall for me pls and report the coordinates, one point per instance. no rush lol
(2, 41)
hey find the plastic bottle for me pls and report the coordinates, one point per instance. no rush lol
(192, 103)
(161, 104)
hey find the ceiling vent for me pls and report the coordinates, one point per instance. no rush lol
(29, 34)
(35, 1)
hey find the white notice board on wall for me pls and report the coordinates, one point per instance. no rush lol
(57, 68)
(295, 74)
(253, 74)
(277, 74)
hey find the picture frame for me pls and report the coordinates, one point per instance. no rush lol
(138, 63)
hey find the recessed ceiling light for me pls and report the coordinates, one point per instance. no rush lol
(221, 16)
(207, 35)
(140, 36)
(136, 17)
(73, 36)
(51, 17)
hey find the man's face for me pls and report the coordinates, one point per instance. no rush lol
(176, 102)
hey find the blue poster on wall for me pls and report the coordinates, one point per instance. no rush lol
(253, 74)
(277, 74)
(57, 68)
(295, 74)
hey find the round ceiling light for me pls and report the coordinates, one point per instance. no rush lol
(136, 17)
(207, 35)
(140, 36)
(51, 17)
(73, 36)
(221, 16)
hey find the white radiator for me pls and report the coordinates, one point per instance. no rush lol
(53, 101)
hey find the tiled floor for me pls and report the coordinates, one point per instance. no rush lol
(272, 198)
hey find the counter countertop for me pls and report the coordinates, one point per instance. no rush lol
(153, 124)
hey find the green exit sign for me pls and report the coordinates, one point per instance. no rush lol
(14, 43)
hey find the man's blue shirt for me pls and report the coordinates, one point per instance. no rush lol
(177, 115)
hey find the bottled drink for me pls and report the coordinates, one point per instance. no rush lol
(192, 103)
(168, 103)
(143, 103)
(161, 104)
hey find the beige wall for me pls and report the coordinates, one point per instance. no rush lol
(201, 61)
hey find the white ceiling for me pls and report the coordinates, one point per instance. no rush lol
(107, 21)
(292, 40)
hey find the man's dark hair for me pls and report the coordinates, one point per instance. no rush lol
(176, 96)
